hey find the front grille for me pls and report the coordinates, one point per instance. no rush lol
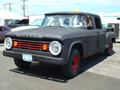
(31, 45)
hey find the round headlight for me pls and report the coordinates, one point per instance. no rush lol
(8, 43)
(55, 47)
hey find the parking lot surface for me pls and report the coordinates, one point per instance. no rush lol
(98, 72)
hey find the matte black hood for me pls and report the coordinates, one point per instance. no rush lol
(61, 33)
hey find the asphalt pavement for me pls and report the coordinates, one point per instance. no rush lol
(98, 72)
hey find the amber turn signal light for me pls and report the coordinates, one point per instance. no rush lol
(45, 46)
(15, 44)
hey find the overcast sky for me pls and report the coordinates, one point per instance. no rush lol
(44, 6)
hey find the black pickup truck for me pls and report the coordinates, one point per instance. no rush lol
(65, 38)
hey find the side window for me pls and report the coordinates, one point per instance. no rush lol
(89, 23)
(97, 23)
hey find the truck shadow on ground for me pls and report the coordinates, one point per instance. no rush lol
(55, 73)
(1, 42)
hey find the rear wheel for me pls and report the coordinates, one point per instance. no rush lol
(72, 68)
(108, 51)
(21, 64)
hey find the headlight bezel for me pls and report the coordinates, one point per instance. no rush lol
(51, 48)
(7, 41)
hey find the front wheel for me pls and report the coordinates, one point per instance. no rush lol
(21, 64)
(72, 68)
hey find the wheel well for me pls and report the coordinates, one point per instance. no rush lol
(79, 47)
(113, 40)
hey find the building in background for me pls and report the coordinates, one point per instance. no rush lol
(111, 20)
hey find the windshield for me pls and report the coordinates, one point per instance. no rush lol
(63, 20)
(37, 22)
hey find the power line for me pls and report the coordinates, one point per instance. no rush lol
(4, 6)
(23, 7)
(10, 6)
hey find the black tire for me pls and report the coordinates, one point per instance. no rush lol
(72, 68)
(21, 64)
(108, 51)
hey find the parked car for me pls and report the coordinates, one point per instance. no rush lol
(3, 31)
(65, 39)
(17, 23)
(33, 25)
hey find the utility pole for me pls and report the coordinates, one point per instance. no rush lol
(5, 6)
(23, 7)
(10, 8)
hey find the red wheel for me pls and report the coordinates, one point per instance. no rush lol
(75, 63)
(72, 68)
(108, 51)
(111, 47)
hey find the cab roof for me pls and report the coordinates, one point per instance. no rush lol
(71, 13)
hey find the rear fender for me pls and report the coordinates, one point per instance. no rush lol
(110, 37)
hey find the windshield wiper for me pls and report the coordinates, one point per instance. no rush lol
(34, 25)
(46, 26)
(55, 26)
(64, 27)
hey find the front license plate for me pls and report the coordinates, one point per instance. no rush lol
(27, 57)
